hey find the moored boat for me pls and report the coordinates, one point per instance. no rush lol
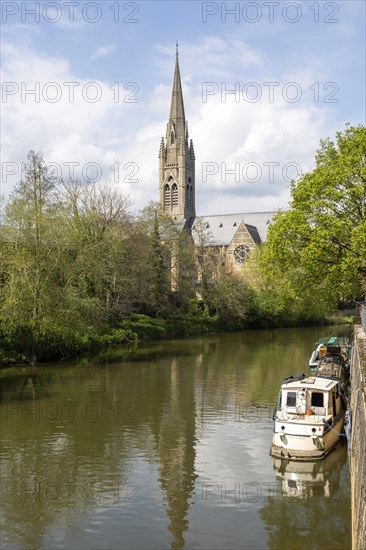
(334, 367)
(326, 345)
(308, 418)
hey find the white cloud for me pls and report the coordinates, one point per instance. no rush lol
(212, 56)
(75, 128)
(102, 51)
(250, 150)
(128, 134)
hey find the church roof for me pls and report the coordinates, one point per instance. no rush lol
(181, 224)
(222, 228)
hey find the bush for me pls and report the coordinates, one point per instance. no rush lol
(146, 328)
(191, 325)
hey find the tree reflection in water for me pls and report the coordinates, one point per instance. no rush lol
(104, 452)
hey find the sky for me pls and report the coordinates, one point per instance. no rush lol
(88, 84)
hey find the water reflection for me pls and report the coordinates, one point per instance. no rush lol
(177, 450)
(309, 480)
(114, 451)
(315, 504)
(75, 442)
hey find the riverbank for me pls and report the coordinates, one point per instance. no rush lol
(57, 345)
(358, 437)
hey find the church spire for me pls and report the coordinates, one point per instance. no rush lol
(176, 159)
(177, 118)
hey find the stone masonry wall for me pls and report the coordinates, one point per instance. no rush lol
(358, 440)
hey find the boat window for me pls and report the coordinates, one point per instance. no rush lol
(317, 399)
(291, 399)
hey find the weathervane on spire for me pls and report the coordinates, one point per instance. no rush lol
(176, 47)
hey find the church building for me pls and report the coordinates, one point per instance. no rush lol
(227, 238)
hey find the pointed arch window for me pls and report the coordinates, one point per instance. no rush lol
(172, 138)
(175, 194)
(167, 196)
(187, 195)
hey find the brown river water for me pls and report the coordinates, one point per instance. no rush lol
(165, 445)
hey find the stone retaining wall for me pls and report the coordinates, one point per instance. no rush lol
(358, 439)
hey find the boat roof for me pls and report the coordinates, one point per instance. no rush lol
(329, 368)
(332, 341)
(311, 382)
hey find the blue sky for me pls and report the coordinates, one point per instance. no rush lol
(310, 55)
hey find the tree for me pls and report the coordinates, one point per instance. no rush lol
(64, 276)
(318, 246)
(168, 267)
(98, 228)
(159, 269)
(204, 256)
(32, 257)
(160, 261)
(186, 269)
(231, 299)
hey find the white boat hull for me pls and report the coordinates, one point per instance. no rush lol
(314, 359)
(298, 442)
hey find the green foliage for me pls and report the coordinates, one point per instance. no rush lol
(318, 247)
(204, 240)
(58, 342)
(159, 269)
(191, 325)
(77, 268)
(231, 300)
(79, 272)
(271, 308)
(66, 275)
(145, 327)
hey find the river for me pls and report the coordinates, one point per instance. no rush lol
(165, 445)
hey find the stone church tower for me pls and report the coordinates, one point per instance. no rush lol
(220, 242)
(177, 160)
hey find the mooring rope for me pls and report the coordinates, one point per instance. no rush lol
(334, 430)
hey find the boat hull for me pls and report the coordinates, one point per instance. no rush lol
(303, 447)
(314, 360)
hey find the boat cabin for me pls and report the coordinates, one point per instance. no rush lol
(310, 396)
(309, 418)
